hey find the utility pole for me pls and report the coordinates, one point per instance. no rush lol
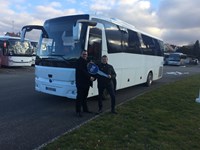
(13, 26)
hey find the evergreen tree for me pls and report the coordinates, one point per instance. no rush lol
(196, 49)
(185, 50)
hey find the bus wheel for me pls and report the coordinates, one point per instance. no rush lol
(149, 79)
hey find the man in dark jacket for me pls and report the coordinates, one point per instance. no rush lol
(83, 83)
(106, 83)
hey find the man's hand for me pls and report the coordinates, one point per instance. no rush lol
(109, 76)
(92, 78)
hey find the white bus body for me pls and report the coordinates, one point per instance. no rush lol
(136, 57)
(15, 53)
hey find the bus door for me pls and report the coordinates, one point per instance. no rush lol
(4, 52)
(94, 48)
(1, 52)
(94, 45)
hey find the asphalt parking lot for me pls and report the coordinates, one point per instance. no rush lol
(28, 118)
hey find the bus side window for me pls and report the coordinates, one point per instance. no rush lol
(149, 48)
(133, 43)
(161, 45)
(1, 48)
(114, 38)
(4, 46)
(158, 48)
(95, 44)
(1, 45)
(124, 39)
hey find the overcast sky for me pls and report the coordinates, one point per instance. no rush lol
(175, 21)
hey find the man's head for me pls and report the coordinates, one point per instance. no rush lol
(104, 59)
(84, 54)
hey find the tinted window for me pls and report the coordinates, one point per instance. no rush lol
(133, 43)
(1, 45)
(160, 48)
(149, 45)
(120, 39)
(113, 35)
(95, 44)
(124, 38)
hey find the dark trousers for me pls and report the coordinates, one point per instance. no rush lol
(110, 88)
(81, 99)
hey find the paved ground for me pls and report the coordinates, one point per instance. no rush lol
(29, 119)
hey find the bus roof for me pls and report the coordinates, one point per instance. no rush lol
(122, 24)
(9, 37)
(112, 20)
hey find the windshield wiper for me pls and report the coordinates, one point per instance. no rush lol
(61, 56)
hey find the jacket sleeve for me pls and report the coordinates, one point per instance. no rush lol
(113, 73)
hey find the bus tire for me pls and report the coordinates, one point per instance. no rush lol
(149, 79)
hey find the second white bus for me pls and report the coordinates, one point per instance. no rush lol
(137, 57)
(14, 53)
(177, 59)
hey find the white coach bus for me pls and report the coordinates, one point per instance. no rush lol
(13, 52)
(177, 59)
(136, 56)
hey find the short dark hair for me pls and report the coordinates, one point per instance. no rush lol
(104, 56)
(83, 51)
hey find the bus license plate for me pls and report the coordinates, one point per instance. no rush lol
(50, 89)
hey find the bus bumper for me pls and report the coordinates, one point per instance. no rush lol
(64, 89)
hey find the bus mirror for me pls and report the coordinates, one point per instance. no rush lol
(22, 34)
(87, 22)
(29, 28)
(77, 27)
(77, 31)
(92, 23)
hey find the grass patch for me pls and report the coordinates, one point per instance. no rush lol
(166, 118)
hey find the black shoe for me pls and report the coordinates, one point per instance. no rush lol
(78, 114)
(87, 111)
(100, 111)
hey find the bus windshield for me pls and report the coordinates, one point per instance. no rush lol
(15, 47)
(60, 41)
(174, 57)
